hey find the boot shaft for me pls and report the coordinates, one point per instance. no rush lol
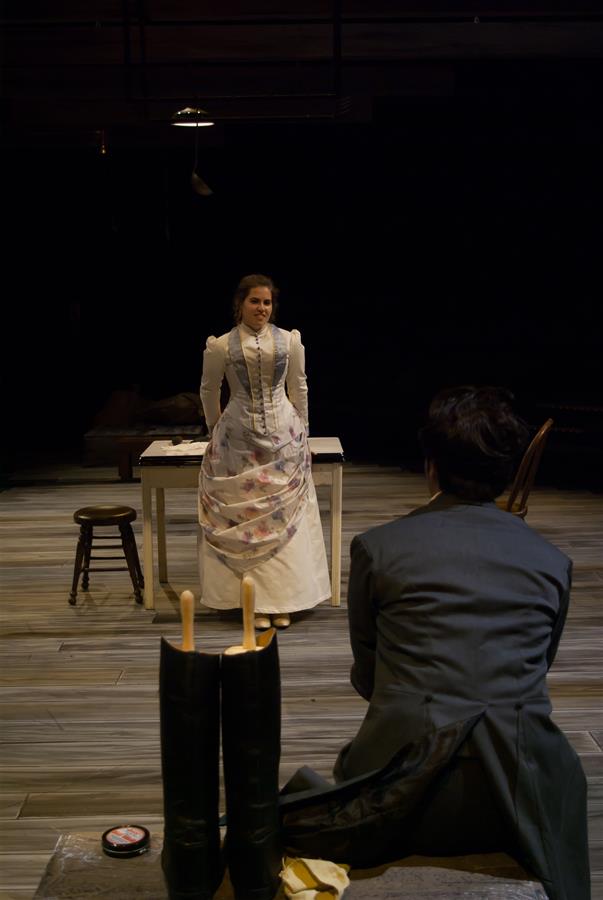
(189, 689)
(251, 743)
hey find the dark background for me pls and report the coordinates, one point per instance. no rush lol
(442, 240)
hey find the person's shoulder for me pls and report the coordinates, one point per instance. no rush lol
(413, 525)
(378, 535)
(540, 543)
(290, 338)
(513, 532)
(217, 343)
(287, 334)
(515, 525)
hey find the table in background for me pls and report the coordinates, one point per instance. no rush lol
(106, 444)
(161, 467)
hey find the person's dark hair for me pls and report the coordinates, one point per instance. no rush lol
(247, 284)
(475, 440)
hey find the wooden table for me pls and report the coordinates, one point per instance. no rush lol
(161, 467)
(124, 444)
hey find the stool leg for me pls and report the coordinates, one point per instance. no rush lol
(137, 562)
(88, 533)
(131, 554)
(77, 569)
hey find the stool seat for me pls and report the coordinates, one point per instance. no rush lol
(88, 517)
(105, 514)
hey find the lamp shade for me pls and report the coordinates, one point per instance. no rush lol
(192, 118)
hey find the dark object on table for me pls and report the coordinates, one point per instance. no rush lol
(129, 422)
(179, 409)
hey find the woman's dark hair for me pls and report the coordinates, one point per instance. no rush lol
(475, 440)
(248, 283)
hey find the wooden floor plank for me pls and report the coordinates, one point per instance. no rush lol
(79, 747)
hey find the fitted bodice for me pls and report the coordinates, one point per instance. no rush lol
(258, 366)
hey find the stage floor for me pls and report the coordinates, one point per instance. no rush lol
(79, 744)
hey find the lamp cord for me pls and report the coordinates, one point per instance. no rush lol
(196, 147)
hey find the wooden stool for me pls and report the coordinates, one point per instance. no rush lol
(87, 518)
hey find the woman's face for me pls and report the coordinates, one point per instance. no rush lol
(256, 308)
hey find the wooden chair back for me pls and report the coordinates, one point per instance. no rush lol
(517, 501)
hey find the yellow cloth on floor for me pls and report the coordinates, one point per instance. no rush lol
(313, 879)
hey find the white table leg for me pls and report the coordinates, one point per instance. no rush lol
(336, 511)
(147, 543)
(161, 545)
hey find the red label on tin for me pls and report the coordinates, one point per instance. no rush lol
(124, 836)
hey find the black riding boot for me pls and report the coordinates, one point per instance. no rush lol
(189, 686)
(251, 745)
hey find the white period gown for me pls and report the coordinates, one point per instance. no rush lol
(258, 511)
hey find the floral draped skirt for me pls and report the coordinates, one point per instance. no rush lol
(259, 515)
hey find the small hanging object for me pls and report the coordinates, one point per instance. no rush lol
(197, 183)
(199, 186)
(197, 118)
(102, 143)
(248, 606)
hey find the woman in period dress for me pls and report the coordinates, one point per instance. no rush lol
(258, 511)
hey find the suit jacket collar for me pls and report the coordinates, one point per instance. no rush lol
(447, 501)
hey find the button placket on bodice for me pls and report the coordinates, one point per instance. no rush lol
(259, 351)
(257, 369)
(262, 399)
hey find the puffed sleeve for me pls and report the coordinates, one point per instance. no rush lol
(297, 387)
(211, 380)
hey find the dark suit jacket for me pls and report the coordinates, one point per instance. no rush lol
(456, 612)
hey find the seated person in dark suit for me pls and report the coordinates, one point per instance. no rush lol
(455, 615)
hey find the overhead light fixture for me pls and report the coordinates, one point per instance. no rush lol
(195, 118)
(192, 117)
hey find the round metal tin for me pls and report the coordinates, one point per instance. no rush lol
(125, 841)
